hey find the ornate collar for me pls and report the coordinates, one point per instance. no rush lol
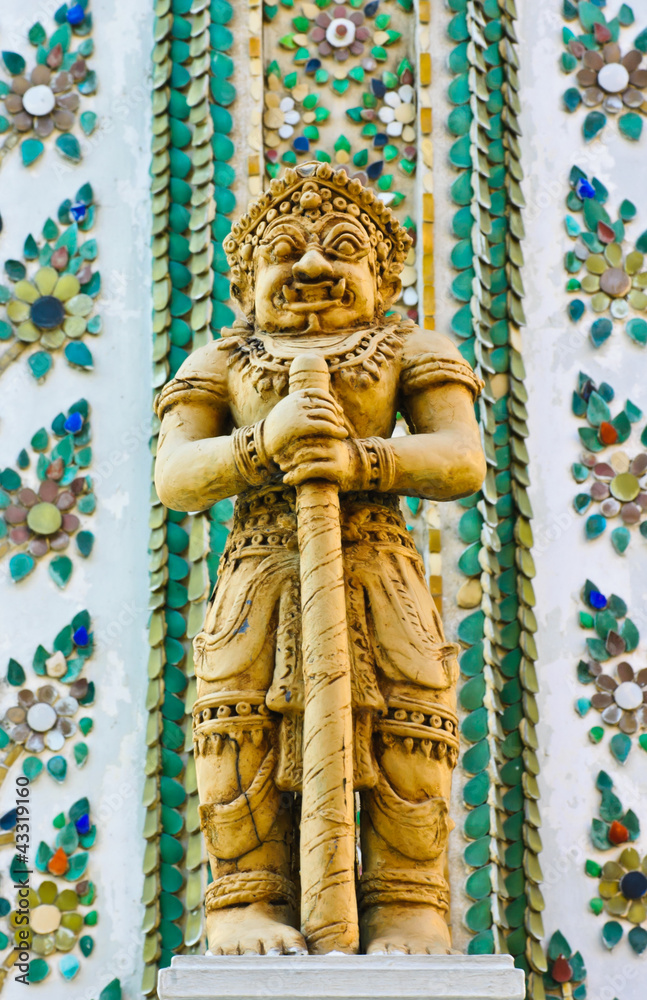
(356, 357)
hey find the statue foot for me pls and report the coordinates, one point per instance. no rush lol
(410, 930)
(255, 929)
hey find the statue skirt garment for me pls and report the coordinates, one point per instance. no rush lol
(248, 715)
(403, 671)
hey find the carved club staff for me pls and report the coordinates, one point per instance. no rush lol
(328, 902)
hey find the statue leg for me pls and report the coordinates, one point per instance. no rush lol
(251, 905)
(403, 892)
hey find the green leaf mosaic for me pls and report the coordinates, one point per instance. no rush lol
(192, 122)
(500, 681)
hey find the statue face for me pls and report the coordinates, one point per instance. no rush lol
(314, 276)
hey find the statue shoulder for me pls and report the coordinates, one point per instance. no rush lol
(431, 358)
(419, 342)
(208, 361)
(200, 380)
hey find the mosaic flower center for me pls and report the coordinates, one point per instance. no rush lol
(47, 312)
(340, 32)
(628, 696)
(38, 100)
(625, 487)
(41, 717)
(633, 885)
(44, 519)
(615, 282)
(45, 919)
(613, 78)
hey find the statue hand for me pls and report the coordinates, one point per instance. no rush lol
(321, 458)
(308, 413)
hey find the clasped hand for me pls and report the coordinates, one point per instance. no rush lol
(305, 435)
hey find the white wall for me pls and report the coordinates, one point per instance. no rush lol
(112, 583)
(555, 350)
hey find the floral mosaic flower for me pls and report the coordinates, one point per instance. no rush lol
(623, 886)
(340, 33)
(615, 278)
(610, 79)
(605, 77)
(39, 519)
(53, 919)
(54, 306)
(615, 281)
(618, 484)
(43, 102)
(44, 520)
(620, 488)
(622, 700)
(47, 99)
(43, 720)
(398, 110)
(55, 926)
(51, 308)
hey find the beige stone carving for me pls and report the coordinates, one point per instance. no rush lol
(322, 666)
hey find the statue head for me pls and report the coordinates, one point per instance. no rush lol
(316, 252)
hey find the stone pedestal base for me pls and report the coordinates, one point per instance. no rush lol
(351, 977)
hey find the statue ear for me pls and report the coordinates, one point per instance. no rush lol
(242, 289)
(390, 289)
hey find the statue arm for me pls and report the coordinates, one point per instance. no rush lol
(195, 465)
(442, 458)
(196, 453)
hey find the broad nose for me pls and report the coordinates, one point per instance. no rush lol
(313, 266)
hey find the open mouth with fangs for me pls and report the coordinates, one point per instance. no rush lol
(311, 296)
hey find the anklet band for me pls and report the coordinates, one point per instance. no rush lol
(248, 887)
(403, 885)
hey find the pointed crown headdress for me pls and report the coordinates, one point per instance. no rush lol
(312, 190)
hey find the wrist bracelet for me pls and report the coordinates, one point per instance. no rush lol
(250, 457)
(377, 460)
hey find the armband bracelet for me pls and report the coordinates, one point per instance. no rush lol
(377, 460)
(250, 457)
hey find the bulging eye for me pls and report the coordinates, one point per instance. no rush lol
(282, 248)
(345, 247)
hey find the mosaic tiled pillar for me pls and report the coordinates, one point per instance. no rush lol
(499, 677)
(195, 185)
